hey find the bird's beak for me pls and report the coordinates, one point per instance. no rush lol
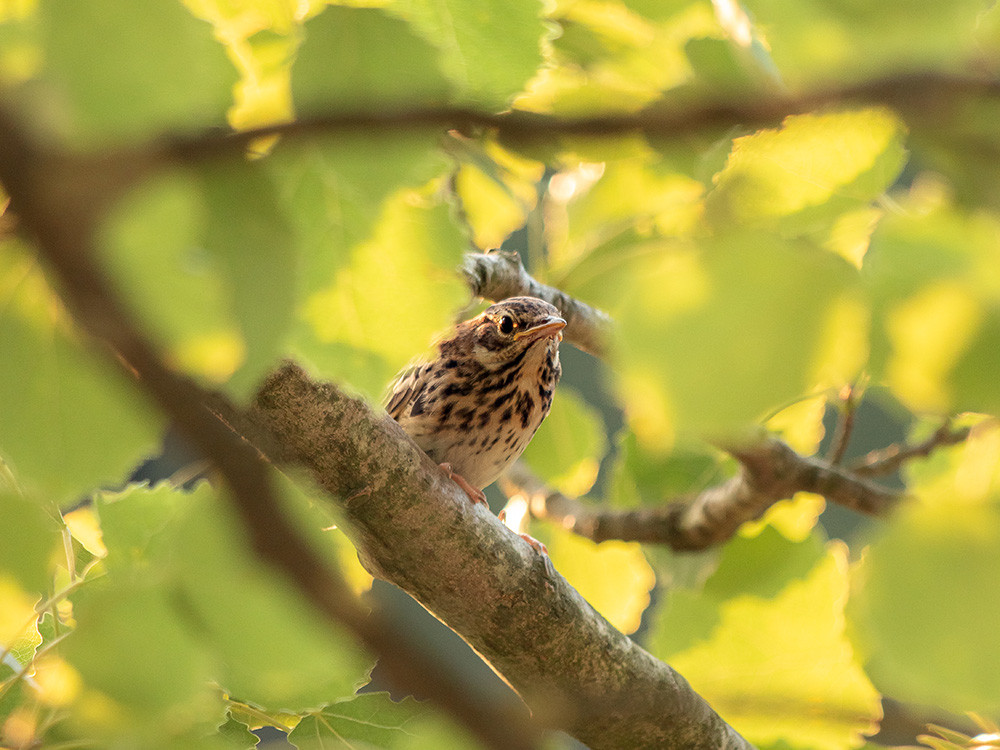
(550, 326)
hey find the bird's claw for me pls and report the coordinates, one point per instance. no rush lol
(536, 545)
(475, 494)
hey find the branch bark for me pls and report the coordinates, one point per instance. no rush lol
(417, 529)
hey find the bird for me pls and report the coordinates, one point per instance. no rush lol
(475, 406)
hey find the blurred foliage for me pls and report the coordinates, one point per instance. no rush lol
(752, 274)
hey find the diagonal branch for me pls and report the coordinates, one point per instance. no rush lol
(416, 529)
(770, 471)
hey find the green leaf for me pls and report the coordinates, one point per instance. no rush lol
(208, 262)
(138, 527)
(237, 736)
(29, 538)
(807, 172)
(972, 378)
(781, 669)
(712, 339)
(374, 720)
(814, 40)
(152, 241)
(362, 59)
(642, 475)
(156, 68)
(762, 565)
(69, 421)
(939, 563)
(490, 50)
(568, 447)
(132, 643)
(271, 647)
(254, 244)
(398, 290)
(334, 191)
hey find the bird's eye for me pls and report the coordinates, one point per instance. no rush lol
(506, 324)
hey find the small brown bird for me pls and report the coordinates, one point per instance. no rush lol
(476, 406)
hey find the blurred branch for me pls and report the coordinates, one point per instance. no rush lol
(889, 459)
(849, 399)
(500, 274)
(921, 96)
(48, 192)
(770, 471)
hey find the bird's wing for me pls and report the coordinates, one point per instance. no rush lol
(405, 389)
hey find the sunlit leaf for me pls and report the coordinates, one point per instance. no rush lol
(801, 424)
(781, 668)
(251, 239)
(760, 565)
(812, 168)
(814, 40)
(759, 304)
(375, 306)
(492, 209)
(333, 191)
(613, 576)
(17, 610)
(153, 243)
(936, 300)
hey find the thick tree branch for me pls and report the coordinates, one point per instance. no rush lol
(770, 471)
(500, 274)
(58, 208)
(417, 529)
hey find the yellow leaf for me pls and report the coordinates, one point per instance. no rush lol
(801, 424)
(17, 611)
(613, 576)
(782, 669)
(929, 332)
(58, 683)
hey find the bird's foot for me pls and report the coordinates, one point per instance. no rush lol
(536, 545)
(475, 494)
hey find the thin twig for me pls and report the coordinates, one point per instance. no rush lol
(887, 460)
(845, 424)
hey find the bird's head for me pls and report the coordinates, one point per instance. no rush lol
(513, 327)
